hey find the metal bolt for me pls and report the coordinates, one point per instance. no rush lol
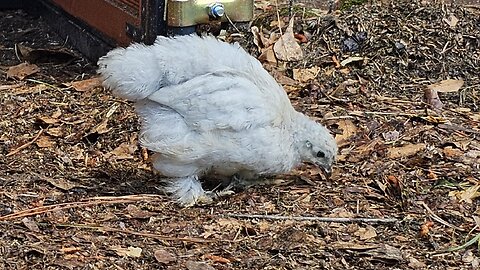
(216, 10)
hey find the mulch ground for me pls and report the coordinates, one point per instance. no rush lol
(398, 83)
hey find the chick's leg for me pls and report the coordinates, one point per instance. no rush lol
(187, 191)
(241, 180)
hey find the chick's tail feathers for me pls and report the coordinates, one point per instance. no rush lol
(137, 71)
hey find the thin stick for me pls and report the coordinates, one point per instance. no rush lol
(319, 219)
(439, 219)
(69, 205)
(232, 24)
(25, 145)
(278, 18)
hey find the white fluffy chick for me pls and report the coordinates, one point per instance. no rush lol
(208, 107)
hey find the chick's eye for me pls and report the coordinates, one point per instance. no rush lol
(320, 154)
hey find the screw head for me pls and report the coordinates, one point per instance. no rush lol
(217, 10)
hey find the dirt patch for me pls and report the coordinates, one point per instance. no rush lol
(71, 170)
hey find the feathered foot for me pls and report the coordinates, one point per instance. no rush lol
(187, 191)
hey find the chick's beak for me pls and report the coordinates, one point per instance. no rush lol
(327, 170)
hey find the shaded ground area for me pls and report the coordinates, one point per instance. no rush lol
(71, 170)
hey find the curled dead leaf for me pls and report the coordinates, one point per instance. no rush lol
(447, 86)
(48, 120)
(163, 256)
(191, 265)
(30, 224)
(85, 85)
(267, 55)
(123, 151)
(50, 55)
(301, 38)
(55, 132)
(44, 142)
(305, 74)
(348, 130)
(216, 258)
(62, 183)
(405, 151)
(466, 195)
(286, 48)
(21, 71)
(366, 233)
(452, 152)
(134, 252)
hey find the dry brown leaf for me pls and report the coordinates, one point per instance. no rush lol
(191, 265)
(45, 55)
(102, 128)
(163, 256)
(405, 151)
(55, 132)
(86, 85)
(228, 223)
(366, 233)
(21, 71)
(286, 48)
(134, 252)
(282, 79)
(277, 23)
(48, 120)
(466, 195)
(452, 152)
(301, 38)
(57, 113)
(30, 224)
(216, 258)
(123, 151)
(62, 183)
(447, 86)
(432, 98)
(70, 250)
(305, 74)
(44, 142)
(416, 264)
(348, 130)
(267, 55)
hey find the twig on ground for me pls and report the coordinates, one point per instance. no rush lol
(319, 219)
(69, 205)
(20, 148)
(278, 18)
(232, 24)
(439, 219)
(458, 128)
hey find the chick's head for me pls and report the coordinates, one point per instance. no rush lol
(318, 147)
